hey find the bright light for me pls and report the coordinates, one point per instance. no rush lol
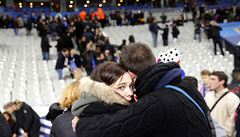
(104, 1)
(85, 5)
(137, 0)
(20, 3)
(31, 3)
(0, 2)
(139, 11)
(71, 2)
(20, 6)
(118, 4)
(100, 5)
(88, 1)
(52, 3)
(31, 6)
(41, 4)
(70, 6)
(121, 1)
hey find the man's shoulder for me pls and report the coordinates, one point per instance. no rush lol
(232, 96)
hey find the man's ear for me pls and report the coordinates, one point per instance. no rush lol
(222, 82)
(132, 75)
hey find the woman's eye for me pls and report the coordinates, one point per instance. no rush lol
(131, 86)
(121, 88)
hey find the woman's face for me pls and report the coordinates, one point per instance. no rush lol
(124, 86)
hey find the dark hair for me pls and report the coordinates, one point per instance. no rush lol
(236, 75)
(221, 76)
(192, 80)
(11, 118)
(137, 57)
(107, 72)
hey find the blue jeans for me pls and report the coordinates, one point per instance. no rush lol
(196, 35)
(45, 56)
(155, 41)
(60, 74)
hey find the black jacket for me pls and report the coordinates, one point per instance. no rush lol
(158, 113)
(60, 61)
(28, 120)
(62, 126)
(153, 27)
(5, 130)
(175, 32)
(45, 44)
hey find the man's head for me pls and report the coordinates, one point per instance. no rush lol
(218, 80)
(137, 57)
(10, 107)
(205, 74)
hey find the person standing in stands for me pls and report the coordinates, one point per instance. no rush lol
(109, 89)
(61, 63)
(89, 58)
(45, 46)
(215, 35)
(165, 35)
(153, 28)
(101, 17)
(155, 114)
(204, 87)
(221, 102)
(175, 33)
(62, 126)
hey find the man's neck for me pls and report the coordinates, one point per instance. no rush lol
(219, 89)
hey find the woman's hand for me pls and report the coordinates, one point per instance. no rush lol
(74, 123)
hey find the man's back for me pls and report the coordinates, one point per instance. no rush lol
(164, 113)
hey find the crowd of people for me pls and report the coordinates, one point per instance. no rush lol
(126, 92)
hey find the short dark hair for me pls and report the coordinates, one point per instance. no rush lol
(137, 57)
(191, 79)
(107, 72)
(221, 76)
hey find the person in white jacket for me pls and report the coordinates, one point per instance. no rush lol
(221, 102)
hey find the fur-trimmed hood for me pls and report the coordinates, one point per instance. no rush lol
(93, 91)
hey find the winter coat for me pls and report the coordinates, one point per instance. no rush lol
(28, 120)
(5, 130)
(62, 126)
(97, 98)
(45, 44)
(159, 112)
(175, 32)
(60, 62)
(153, 27)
